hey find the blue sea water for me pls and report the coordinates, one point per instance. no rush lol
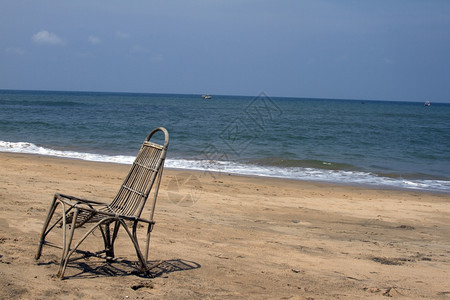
(380, 143)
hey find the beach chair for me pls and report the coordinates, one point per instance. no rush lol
(124, 211)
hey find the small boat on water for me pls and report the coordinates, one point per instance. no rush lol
(427, 103)
(206, 96)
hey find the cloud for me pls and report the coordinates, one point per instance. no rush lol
(45, 37)
(94, 40)
(122, 35)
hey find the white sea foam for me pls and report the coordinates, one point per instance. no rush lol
(24, 147)
(310, 174)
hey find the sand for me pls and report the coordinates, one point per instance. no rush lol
(230, 237)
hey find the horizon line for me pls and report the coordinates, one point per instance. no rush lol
(216, 95)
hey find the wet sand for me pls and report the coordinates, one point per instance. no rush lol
(230, 237)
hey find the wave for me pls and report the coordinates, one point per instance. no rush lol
(30, 148)
(348, 175)
(304, 163)
(313, 174)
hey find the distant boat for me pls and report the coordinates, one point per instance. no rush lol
(427, 103)
(206, 96)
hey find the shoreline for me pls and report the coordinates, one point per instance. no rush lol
(318, 182)
(226, 236)
(219, 173)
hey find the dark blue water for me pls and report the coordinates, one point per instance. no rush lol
(396, 144)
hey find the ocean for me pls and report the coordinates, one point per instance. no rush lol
(385, 144)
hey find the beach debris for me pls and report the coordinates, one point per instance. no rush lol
(406, 227)
(7, 262)
(372, 289)
(402, 260)
(391, 292)
(353, 278)
(388, 261)
(142, 284)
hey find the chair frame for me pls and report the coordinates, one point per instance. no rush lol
(126, 207)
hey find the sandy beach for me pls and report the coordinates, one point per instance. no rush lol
(230, 237)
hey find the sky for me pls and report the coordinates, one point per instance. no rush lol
(364, 50)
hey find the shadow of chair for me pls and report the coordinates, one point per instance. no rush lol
(124, 211)
(123, 268)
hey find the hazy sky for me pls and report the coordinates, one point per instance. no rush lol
(380, 49)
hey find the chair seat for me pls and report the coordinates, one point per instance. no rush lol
(93, 211)
(88, 211)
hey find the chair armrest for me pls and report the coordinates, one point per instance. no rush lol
(135, 219)
(79, 200)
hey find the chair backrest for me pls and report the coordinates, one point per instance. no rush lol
(145, 175)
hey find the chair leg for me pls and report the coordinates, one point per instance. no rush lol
(67, 244)
(114, 236)
(44, 229)
(142, 262)
(109, 239)
(106, 234)
(147, 240)
(70, 251)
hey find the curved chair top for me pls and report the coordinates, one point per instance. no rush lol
(163, 130)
